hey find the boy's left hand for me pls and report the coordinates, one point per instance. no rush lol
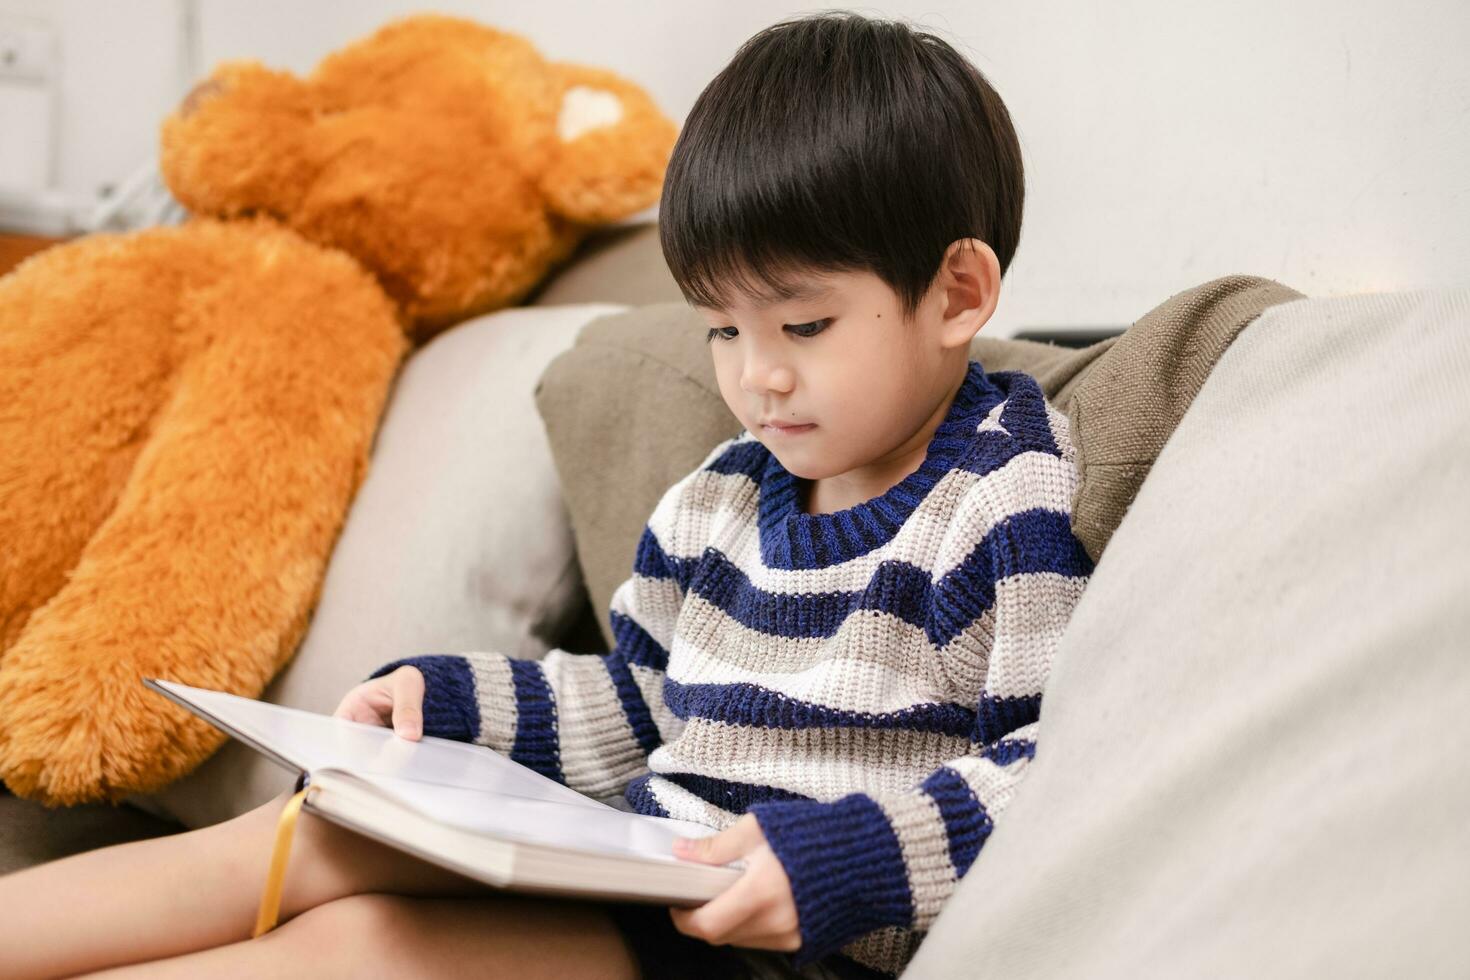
(758, 910)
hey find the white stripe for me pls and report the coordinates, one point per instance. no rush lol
(824, 763)
(652, 603)
(681, 804)
(1031, 614)
(1061, 432)
(495, 694)
(960, 509)
(598, 750)
(651, 683)
(994, 785)
(991, 422)
(875, 662)
(923, 839)
(666, 511)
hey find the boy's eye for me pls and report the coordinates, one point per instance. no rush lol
(800, 329)
(808, 329)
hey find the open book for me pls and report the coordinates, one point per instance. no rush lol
(465, 807)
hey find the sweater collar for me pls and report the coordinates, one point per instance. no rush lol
(791, 538)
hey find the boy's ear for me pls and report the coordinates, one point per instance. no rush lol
(969, 279)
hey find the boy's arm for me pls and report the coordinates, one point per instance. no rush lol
(588, 721)
(867, 861)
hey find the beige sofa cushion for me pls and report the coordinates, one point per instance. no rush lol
(1251, 757)
(634, 406)
(616, 264)
(457, 539)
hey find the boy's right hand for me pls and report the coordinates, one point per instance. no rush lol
(396, 699)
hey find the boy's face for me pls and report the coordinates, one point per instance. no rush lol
(837, 381)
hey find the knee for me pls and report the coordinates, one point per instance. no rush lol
(256, 822)
(354, 934)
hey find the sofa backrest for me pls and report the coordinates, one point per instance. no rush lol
(1251, 755)
(633, 406)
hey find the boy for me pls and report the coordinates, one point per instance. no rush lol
(838, 626)
(834, 641)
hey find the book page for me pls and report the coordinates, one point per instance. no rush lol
(309, 741)
(541, 821)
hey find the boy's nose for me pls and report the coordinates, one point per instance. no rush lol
(760, 377)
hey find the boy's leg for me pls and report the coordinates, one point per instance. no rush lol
(373, 935)
(152, 899)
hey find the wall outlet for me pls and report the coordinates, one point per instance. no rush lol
(27, 51)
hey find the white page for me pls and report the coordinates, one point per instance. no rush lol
(543, 821)
(310, 741)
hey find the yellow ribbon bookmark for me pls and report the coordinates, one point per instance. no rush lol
(270, 902)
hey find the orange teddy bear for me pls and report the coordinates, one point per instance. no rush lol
(187, 412)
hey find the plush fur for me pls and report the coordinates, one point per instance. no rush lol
(186, 412)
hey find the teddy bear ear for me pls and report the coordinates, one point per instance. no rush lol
(610, 147)
(237, 142)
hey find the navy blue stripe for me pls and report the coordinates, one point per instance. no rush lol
(641, 798)
(450, 708)
(635, 643)
(901, 590)
(721, 583)
(536, 736)
(635, 709)
(753, 705)
(998, 717)
(845, 866)
(748, 457)
(652, 561)
(1037, 540)
(1025, 416)
(649, 559)
(1027, 428)
(965, 818)
(1008, 750)
(728, 795)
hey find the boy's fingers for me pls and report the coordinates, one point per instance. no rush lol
(356, 711)
(730, 844)
(717, 919)
(347, 709)
(408, 697)
(407, 720)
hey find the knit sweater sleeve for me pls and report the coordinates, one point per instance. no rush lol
(589, 721)
(867, 861)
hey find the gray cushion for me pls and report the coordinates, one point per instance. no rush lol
(1251, 757)
(634, 406)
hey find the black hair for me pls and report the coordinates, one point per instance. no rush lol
(838, 142)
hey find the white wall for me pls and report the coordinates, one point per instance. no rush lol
(1324, 144)
(117, 76)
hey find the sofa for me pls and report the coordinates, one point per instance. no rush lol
(1250, 752)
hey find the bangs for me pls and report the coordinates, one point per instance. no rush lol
(837, 144)
(743, 218)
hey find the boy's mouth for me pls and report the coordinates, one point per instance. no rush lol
(784, 429)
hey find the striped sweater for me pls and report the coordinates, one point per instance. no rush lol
(866, 682)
